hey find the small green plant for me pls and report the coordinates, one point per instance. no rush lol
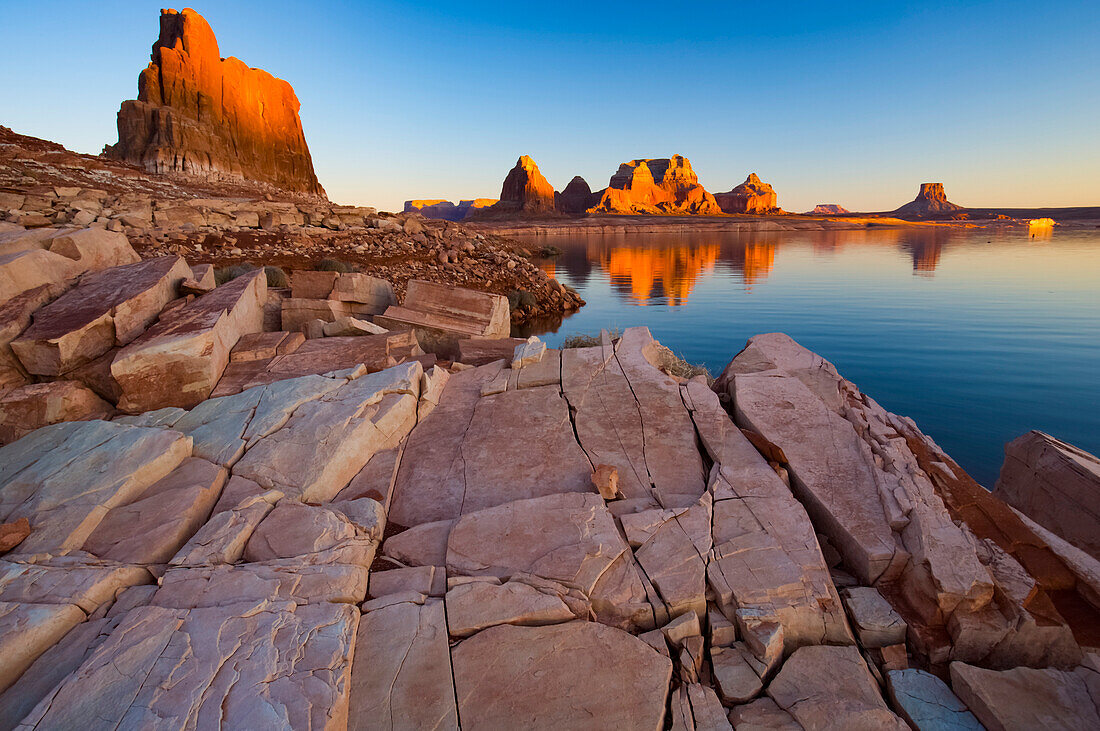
(231, 272)
(276, 277)
(334, 265)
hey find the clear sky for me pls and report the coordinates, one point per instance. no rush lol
(852, 103)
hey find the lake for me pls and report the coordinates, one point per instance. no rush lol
(979, 335)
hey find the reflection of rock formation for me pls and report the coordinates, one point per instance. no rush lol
(925, 249)
(752, 196)
(758, 263)
(438, 208)
(668, 273)
(199, 113)
(655, 186)
(930, 201)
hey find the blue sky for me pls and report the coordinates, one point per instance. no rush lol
(850, 103)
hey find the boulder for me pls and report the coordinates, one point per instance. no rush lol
(927, 703)
(15, 317)
(26, 408)
(1055, 484)
(107, 309)
(1026, 698)
(178, 361)
(202, 114)
(56, 257)
(477, 605)
(931, 201)
(875, 621)
(752, 196)
(452, 312)
(559, 676)
(825, 687)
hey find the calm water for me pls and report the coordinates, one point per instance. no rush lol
(977, 335)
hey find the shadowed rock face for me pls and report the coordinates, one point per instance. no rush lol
(663, 185)
(576, 198)
(438, 208)
(752, 196)
(201, 114)
(930, 201)
(525, 190)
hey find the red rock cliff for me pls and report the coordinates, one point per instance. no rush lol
(525, 192)
(662, 185)
(752, 196)
(201, 114)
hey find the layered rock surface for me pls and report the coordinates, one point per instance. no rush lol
(752, 196)
(443, 549)
(202, 114)
(1055, 484)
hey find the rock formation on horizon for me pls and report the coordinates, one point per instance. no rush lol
(200, 114)
(525, 192)
(444, 210)
(827, 209)
(930, 201)
(656, 186)
(752, 196)
(576, 198)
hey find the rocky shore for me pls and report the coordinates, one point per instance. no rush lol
(250, 527)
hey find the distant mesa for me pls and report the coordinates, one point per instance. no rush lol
(752, 196)
(575, 199)
(656, 186)
(200, 114)
(827, 209)
(444, 210)
(930, 201)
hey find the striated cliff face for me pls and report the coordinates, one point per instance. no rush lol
(200, 114)
(752, 196)
(664, 185)
(930, 201)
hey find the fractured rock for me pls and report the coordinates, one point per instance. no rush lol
(927, 703)
(1026, 698)
(28, 630)
(449, 311)
(26, 408)
(875, 621)
(474, 606)
(527, 677)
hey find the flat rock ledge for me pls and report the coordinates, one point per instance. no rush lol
(399, 545)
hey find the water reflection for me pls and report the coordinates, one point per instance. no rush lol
(664, 269)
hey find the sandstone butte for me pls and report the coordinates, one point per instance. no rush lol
(525, 192)
(251, 528)
(827, 209)
(931, 201)
(752, 196)
(201, 114)
(660, 186)
(445, 210)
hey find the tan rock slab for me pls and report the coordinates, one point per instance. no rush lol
(12, 534)
(568, 538)
(178, 361)
(68, 580)
(291, 669)
(261, 346)
(154, 527)
(351, 326)
(107, 309)
(762, 715)
(706, 709)
(1027, 698)
(305, 284)
(426, 580)
(222, 539)
(54, 256)
(673, 557)
(529, 353)
(26, 408)
(15, 317)
(527, 677)
(927, 703)
(66, 477)
(1055, 484)
(483, 352)
(828, 687)
(282, 580)
(375, 293)
(449, 309)
(876, 622)
(478, 605)
(294, 529)
(734, 678)
(28, 630)
(421, 545)
(401, 677)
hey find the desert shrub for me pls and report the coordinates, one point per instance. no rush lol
(276, 277)
(585, 340)
(521, 298)
(225, 274)
(675, 365)
(334, 265)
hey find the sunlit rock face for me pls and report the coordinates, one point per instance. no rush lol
(827, 209)
(655, 186)
(930, 201)
(752, 196)
(525, 192)
(198, 113)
